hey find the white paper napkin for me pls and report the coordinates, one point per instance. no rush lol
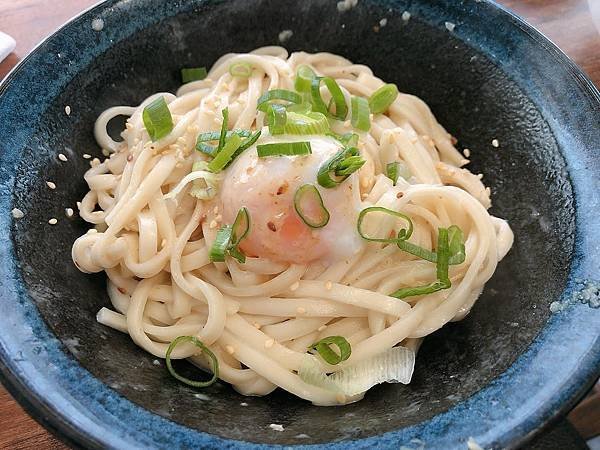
(7, 45)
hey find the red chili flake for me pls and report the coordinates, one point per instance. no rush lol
(271, 226)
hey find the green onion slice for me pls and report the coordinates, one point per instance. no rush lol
(205, 350)
(323, 347)
(276, 118)
(157, 119)
(225, 155)
(443, 281)
(300, 108)
(224, 124)
(456, 245)
(240, 69)
(241, 226)
(308, 203)
(193, 74)
(339, 167)
(391, 171)
(221, 244)
(247, 143)
(210, 136)
(360, 113)
(308, 123)
(382, 98)
(277, 94)
(304, 77)
(284, 149)
(337, 98)
(402, 235)
(347, 139)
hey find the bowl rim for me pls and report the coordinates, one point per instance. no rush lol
(64, 417)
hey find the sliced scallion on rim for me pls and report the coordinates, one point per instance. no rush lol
(402, 235)
(276, 118)
(308, 203)
(304, 77)
(284, 149)
(240, 227)
(221, 244)
(308, 123)
(360, 113)
(229, 237)
(323, 347)
(391, 171)
(193, 74)
(339, 167)
(337, 98)
(240, 69)
(157, 119)
(205, 350)
(264, 100)
(382, 98)
(225, 155)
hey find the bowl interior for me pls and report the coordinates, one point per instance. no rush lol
(469, 95)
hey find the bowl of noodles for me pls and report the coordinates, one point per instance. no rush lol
(233, 225)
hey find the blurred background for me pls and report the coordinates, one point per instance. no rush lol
(574, 25)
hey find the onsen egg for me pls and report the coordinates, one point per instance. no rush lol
(266, 187)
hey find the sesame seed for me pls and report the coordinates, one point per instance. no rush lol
(269, 343)
(328, 285)
(86, 156)
(450, 26)
(51, 185)
(243, 404)
(69, 212)
(276, 427)
(406, 16)
(78, 205)
(294, 286)
(97, 24)
(52, 221)
(383, 22)
(212, 224)
(480, 176)
(17, 213)
(322, 327)
(495, 143)
(229, 349)
(399, 195)
(129, 157)
(467, 152)
(68, 110)
(105, 152)
(62, 157)
(300, 310)
(94, 162)
(92, 231)
(341, 398)
(163, 243)
(257, 325)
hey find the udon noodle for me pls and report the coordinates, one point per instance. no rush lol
(259, 317)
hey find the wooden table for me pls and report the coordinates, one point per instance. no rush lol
(566, 22)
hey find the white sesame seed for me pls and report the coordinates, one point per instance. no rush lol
(406, 16)
(78, 205)
(92, 231)
(105, 152)
(69, 212)
(52, 221)
(62, 157)
(467, 152)
(51, 185)
(480, 176)
(97, 24)
(269, 343)
(450, 26)
(341, 398)
(285, 35)
(294, 286)
(322, 327)
(328, 285)
(300, 310)
(257, 325)
(86, 156)
(17, 213)
(68, 110)
(276, 427)
(383, 22)
(212, 224)
(94, 162)
(229, 349)
(495, 143)
(243, 404)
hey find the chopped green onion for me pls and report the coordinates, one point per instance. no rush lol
(277, 94)
(402, 235)
(204, 187)
(240, 69)
(247, 143)
(284, 149)
(339, 167)
(210, 150)
(382, 98)
(221, 244)
(276, 118)
(157, 119)
(206, 149)
(391, 171)
(328, 354)
(443, 281)
(308, 203)
(300, 108)
(193, 74)
(337, 98)
(308, 123)
(347, 139)
(241, 226)
(456, 245)
(198, 343)
(360, 113)
(304, 77)
(224, 124)
(223, 157)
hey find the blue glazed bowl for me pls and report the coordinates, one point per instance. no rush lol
(524, 356)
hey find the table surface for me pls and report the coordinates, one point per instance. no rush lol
(566, 22)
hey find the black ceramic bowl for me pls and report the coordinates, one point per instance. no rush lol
(500, 375)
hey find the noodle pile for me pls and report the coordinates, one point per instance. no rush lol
(259, 317)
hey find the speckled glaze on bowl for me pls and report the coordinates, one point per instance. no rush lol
(499, 376)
